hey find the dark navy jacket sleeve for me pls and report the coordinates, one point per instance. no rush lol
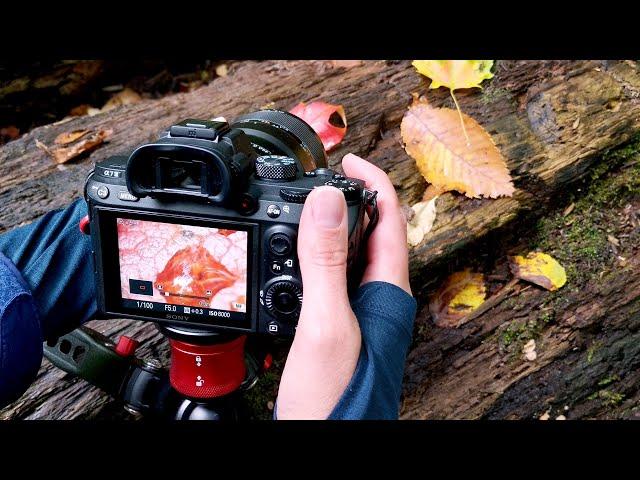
(386, 314)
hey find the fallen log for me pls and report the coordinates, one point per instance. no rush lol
(552, 120)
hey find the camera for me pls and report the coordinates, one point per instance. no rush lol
(197, 231)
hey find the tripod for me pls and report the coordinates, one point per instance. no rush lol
(209, 371)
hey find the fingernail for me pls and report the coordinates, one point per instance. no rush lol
(328, 207)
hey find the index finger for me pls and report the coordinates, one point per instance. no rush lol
(388, 257)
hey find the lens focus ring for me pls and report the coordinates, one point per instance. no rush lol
(286, 125)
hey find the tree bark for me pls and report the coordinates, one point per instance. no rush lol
(552, 120)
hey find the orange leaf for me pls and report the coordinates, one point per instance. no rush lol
(435, 139)
(459, 295)
(317, 115)
(84, 143)
(70, 137)
(124, 97)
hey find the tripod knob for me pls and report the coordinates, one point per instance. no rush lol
(207, 371)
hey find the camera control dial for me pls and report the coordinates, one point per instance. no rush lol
(276, 167)
(283, 298)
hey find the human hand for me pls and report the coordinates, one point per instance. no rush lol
(326, 346)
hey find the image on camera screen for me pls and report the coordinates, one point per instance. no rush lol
(183, 264)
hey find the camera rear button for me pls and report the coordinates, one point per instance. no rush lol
(276, 267)
(273, 211)
(102, 192)
(127, 197)
(280, 244)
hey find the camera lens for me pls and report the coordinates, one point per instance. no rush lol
(274, 132)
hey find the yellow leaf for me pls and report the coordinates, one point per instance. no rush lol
(460, 294)
(433, 137)
(455, 74)
(539, 268)
(422, 221)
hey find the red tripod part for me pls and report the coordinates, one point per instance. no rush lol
(207, 371)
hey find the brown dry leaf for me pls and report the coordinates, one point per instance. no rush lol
(70, 137)
(68, 151)
(460, 294)
(539, 268)
(434, 138)
(613, 240)
(124, 97)
(9, 133)
(568, 210)
(222, 70)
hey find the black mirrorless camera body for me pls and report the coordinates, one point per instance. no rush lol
(197, 231)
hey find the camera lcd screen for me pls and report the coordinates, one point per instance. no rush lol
(187, 269)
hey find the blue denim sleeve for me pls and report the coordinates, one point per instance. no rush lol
(46, 289)
(20, 337)
(386, 314)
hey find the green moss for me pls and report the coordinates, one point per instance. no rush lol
(492, 94)
(609, 398)
(579, 239)
(258, 398)
(518, 333)
(608, 380)
(593, 348)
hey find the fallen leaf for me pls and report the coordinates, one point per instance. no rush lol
(85, 143)
(69, 137)
(460, 294)
(545, 416)
(80, 110)
(475, 168)
(568, 210)
(317, 115)
(576, 123)
(613, 240)
(222, 70)
(529, 350)
(421, 222)
(9, 133)
(539, 268)
(124, 97)
(455, 74)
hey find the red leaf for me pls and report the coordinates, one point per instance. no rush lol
(317, 115)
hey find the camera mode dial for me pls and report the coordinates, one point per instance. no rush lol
(283, 299)
(276, 167)
(351, 189)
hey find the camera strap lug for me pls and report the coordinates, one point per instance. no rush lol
(371, 205)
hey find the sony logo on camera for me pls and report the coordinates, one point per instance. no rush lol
(203, 222)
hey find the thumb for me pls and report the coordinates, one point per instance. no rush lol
(322, 248)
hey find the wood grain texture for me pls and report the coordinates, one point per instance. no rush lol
(529, 108)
